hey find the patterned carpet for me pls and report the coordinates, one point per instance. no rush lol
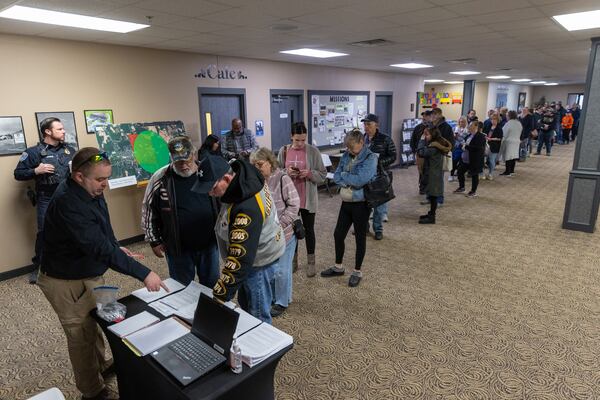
(496, 301)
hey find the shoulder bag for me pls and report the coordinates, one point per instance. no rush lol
(297, 226)
(379, 191)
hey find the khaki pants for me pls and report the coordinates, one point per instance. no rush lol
(72, 300)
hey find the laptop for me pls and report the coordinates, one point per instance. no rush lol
(205, 348)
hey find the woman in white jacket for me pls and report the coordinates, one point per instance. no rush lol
(511, 140)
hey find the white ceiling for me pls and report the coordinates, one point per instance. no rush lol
(516, 34)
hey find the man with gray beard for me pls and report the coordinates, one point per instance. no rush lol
(177, 221)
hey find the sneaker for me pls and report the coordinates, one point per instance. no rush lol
(504, 174)
(332, 271)
(378, 235)
(548, 154)
(510, 175)
(538, 153)
(423, 216)
(490, 177)
(277, 310)
(450, 179)
(424, 202)
(385, 218)
(484, 178)
(460, 190)
(354, 279)
(471, 195)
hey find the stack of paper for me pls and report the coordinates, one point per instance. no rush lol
(155, 336)
(261, 342)
(147, 296)
(133, 324)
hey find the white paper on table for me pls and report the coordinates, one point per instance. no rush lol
(189, 295)
(162, 308)
(261, 342)
(245, 322)
(156, 336)
(147, 296)
(133, 324)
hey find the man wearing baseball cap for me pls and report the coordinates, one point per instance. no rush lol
(383, 145)
(250, 238)
(177, 220)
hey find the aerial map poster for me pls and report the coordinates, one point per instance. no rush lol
(137, 150)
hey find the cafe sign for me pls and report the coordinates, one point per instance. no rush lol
(214, 72)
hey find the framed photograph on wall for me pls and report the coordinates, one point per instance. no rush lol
(96, 118)
(68, 120)
(12, 136)
(522, 99)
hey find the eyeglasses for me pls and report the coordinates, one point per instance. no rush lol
(96, 158)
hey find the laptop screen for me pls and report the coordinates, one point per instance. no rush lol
(215, 324)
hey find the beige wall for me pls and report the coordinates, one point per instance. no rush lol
(480, 99)
(556, 93)
(141, 85)
(450, 111)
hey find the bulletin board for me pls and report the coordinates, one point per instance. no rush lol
(333, 114)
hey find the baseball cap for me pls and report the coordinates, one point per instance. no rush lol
(180, 148)
(370, 118)
(211, 169)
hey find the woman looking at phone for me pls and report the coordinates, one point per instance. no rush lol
(304, 165)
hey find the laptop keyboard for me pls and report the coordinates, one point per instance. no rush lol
(198, 354)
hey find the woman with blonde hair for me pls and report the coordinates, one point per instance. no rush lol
(287, 204)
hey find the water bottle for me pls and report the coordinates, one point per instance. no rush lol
(236, 358)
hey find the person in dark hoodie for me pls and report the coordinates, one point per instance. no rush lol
(249, 236)
(211, 145)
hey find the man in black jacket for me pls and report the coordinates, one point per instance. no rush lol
(546, 130)
(384, 146)
(528, 123)
(178, 221)
(79, 246)
(47, 163)
(415, 139)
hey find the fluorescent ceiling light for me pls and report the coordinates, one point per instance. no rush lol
(521, 80)
(551, 84)
(538, 82)
(67, 19)
(498, 77)
(579, 21)
(313, 53)
(433, 80)
(453, 82)
(465, 73)
(411, 65)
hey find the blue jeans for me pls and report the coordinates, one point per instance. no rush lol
(492, 157)
(254, 295)
(205, 263)
(281, 282)
(42, 205)
(378, 213)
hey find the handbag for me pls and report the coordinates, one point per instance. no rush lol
(297, 226)
(380, 190)
(447, 165)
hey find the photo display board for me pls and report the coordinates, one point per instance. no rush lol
(333, 114)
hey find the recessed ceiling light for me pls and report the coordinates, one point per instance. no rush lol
(498, 77)
(551, 84)
(538, 82)
(465, 73)
(411, 65)
(579, 21)
(313, 53)
(67, 19)
(521, 80)
(433, 80)
(453, 82)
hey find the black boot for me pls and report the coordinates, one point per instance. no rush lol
(430, 219)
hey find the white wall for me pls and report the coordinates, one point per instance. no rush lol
(450, 111)
(556, 93)
(512, 91)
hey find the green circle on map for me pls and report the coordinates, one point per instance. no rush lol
(151, 151)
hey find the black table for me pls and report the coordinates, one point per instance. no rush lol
(143, 378)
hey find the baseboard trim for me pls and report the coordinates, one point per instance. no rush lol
(16, 272)
(28, 268)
